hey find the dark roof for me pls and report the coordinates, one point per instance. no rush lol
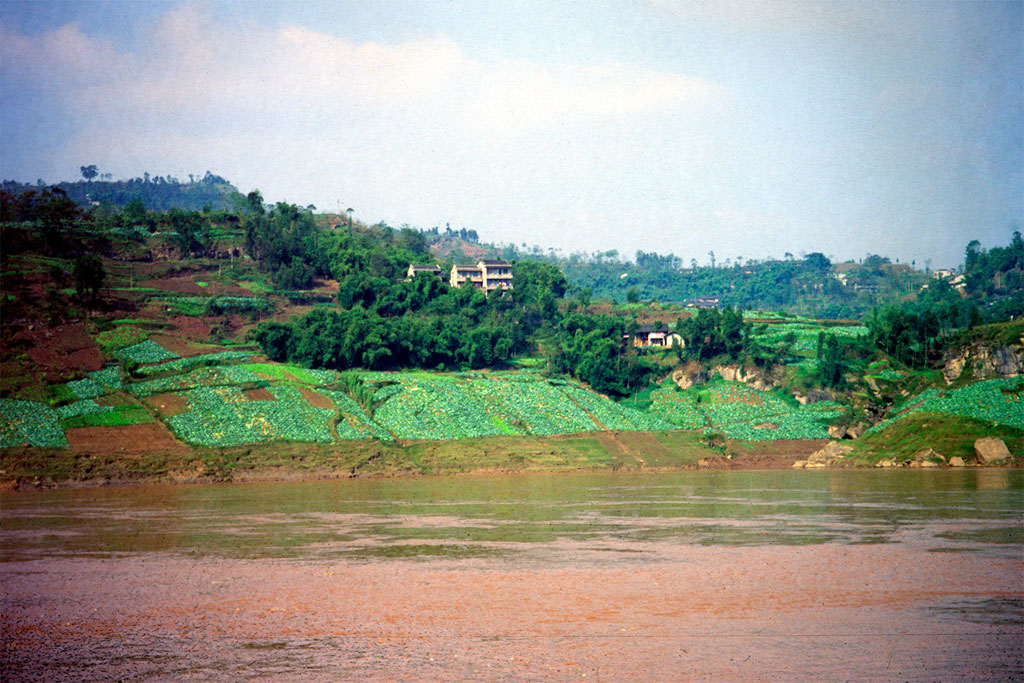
(469, 267)
(649, 328)
(431, 268)
(494, 262)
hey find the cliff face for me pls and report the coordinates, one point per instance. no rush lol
(984, 361)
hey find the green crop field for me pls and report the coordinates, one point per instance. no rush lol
(740, 412)
(220, 375)
(29, 423)
(224, 416)
(997, 401)
(146, 352)
(182, 364)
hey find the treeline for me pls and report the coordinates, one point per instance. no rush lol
(157, 193)
(916, 333)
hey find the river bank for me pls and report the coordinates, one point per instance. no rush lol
(29, 468)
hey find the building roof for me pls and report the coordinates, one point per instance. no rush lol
(433, 269)
(650, 328)
(494, 262)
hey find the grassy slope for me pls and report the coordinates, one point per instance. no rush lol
(950, 435)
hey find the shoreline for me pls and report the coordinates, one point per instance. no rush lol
(28, 469)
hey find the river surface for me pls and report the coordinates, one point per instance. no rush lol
(729, 575)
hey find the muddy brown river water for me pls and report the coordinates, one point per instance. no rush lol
(729, 575)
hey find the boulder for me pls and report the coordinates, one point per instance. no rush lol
(991, 450)
(799, 464)
(854, 432)
(929, 454)
(837, 432)
(957, 461)
(887, 462)
(831, 454)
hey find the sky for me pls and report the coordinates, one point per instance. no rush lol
(750, 128)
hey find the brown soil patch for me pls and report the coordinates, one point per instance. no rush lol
(183, 284)
(259, 395)
(169, 404)
(63, 350)
(769, 455)
(145, 439)
(315, 399)
(185, 346)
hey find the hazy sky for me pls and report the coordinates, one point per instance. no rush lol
(751, 128)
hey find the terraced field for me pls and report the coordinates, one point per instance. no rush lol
(740, 412)
(998, 401)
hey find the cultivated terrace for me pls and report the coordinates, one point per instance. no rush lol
(147, 338)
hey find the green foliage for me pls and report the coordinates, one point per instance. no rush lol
(29, 423)
(740, 412)
(223, 375)
(89, 275)
(145, 352)
(111, 416)
(996, 401)
(186, 363)
(225, 417)
(86, 388)
(120, 337)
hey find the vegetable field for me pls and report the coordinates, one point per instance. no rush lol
(146, 352)
(998, 401)
(29, 423)
(739, 412)
(224, 416)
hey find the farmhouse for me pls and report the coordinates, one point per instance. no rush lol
(655, 335)
(415, 270)
(703, 302)
(487, 274)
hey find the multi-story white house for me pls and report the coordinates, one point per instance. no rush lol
(487, 274)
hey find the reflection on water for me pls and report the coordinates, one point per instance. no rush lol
(617, 515)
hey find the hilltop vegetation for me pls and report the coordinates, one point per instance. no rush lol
(204, 334)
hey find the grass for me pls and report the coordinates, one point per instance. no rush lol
(121, 416)
(950, 435)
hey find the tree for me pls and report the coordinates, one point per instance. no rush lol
(88, 172)
(89, 275)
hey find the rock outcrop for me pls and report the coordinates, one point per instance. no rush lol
(832, 454)
(991, 450)
(986, 361)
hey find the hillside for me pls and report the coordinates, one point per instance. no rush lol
(158, 193)
(201, 344)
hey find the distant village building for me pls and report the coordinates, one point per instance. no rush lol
(655, 335)
(703, 302)
(487, 274)
(943, 273)
(415, 270)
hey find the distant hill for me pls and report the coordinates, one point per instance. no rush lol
(157, 193)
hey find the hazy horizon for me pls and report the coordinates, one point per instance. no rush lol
(748, 128)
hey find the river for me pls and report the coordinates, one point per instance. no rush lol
(722, 575)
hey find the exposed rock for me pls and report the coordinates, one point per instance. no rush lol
(837, 432)
(831, 454)
(929, 454)
(854, 432)
(927, 463)
(685, 379)
(957, 461)
(991, 450)
(888, 462)
(730, 373)
(799, 464)
(986, 361)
